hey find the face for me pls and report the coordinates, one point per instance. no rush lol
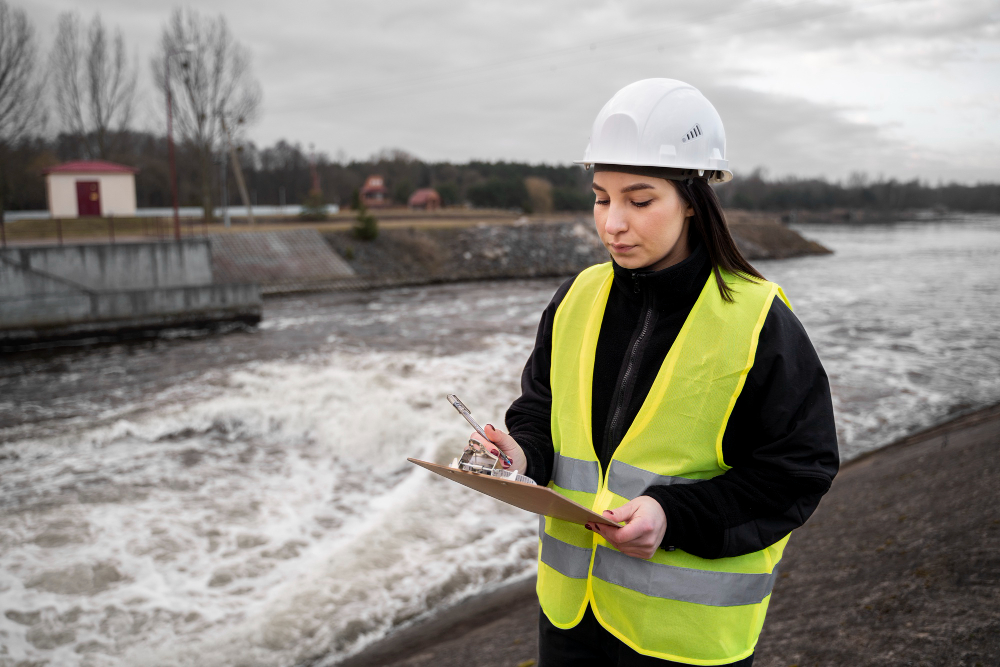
(642, 221)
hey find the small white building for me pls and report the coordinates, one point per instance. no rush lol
(90, 188)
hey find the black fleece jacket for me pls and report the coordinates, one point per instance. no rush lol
(780, 439)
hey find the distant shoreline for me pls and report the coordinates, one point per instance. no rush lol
(524, 248)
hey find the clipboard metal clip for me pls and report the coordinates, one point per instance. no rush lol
(477, 459)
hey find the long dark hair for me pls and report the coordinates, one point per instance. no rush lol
(709, 223)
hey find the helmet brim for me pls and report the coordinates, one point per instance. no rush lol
(671, 172)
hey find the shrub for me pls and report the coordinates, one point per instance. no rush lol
(313, 207)
(540, 194)
(366, 227)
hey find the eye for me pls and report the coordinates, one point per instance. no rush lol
(642, 204)
(602, 202)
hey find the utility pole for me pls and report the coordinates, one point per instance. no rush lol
(237, 171)
(188, 48)
(225, 189)
(170, 150)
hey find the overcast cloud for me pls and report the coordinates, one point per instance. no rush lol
(904, 88)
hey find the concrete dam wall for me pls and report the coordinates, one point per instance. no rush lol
(52, 292)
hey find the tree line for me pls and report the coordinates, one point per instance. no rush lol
(85, 91)
(755, 191)
(281, 174)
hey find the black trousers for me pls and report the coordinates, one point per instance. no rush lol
(588, 644)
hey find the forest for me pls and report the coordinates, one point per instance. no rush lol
(280, 174)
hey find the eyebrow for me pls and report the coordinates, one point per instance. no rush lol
(631, 188)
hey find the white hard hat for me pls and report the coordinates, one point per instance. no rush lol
(660, 123)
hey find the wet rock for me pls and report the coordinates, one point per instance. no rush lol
(80, 579)
(558, 247)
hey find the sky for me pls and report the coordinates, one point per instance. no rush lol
(897, 89)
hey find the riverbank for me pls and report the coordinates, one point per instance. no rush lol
(899, 565)
(523, 248)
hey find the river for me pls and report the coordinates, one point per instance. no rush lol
(243, 499)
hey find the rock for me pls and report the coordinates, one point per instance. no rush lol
(525, 250)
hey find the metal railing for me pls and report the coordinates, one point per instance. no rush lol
(96, 230)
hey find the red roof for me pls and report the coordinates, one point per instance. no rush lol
(374, 183)
(424, 195)
(90, 167)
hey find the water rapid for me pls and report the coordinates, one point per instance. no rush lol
(245, 500)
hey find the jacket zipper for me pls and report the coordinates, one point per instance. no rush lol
(613, 436)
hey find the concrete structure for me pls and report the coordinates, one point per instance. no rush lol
(90, 189)
(279, 261)
(73, 291)
(426, 199)
(374, 193)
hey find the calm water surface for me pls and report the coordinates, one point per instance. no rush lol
(243, 499)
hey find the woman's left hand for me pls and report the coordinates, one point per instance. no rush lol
(645, 526)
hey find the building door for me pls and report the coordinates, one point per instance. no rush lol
(88, 199)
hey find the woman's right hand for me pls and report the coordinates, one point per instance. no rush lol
(507, 444)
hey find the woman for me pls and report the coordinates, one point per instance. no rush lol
(674, 390)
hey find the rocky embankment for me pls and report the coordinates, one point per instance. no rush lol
(523, 249)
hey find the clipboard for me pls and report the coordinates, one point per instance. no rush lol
(537, 499)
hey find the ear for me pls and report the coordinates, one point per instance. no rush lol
(688, 212)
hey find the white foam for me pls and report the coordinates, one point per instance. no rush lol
(268, 516)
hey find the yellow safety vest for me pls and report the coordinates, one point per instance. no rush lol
(674, 606)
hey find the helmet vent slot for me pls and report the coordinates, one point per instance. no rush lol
(693, 133)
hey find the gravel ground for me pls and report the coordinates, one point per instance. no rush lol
(899, 566)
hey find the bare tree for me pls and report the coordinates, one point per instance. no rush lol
(21, 108)
(210, 75)
(94, 86)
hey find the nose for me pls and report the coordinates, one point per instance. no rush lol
(616, 222)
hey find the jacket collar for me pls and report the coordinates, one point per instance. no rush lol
(679, 283)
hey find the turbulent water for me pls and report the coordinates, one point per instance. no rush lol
(244, 499)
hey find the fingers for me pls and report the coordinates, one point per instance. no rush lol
(645, 526)
(506, 444)
(623, 513)
(501, 439)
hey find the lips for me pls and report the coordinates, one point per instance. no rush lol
(621, 247)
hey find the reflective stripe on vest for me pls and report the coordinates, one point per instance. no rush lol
(574, 474)
(717, 589)
(564, 558)
(629, 482)
(674, 606)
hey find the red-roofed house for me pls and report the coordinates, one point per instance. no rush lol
(90, 188)
(374, 192)
(426, 198)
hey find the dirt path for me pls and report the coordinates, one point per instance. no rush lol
(899, 566)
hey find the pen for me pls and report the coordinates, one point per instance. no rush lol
(457, 403)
